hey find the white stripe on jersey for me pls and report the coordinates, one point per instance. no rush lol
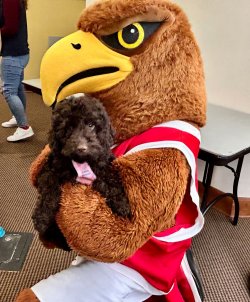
(183, 233)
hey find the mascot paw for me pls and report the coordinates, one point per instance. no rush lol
(27, 295)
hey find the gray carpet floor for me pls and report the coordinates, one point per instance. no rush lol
(221, 250)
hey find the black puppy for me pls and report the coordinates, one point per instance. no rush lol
(81, 132)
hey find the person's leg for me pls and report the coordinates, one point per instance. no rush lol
(12, 75)
(21, 92)
(89, 281)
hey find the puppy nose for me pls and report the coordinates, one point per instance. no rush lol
(82, 149)
(82, 146)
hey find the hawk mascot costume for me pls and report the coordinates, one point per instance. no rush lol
(140, 58)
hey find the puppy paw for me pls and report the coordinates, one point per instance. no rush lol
(124, 211)
(47, 244)
(120, 206)
(41, 224)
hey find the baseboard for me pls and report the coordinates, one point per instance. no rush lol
(226, 205)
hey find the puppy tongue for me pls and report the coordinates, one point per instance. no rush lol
(85, 175)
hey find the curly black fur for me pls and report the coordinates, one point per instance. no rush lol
(81, 131)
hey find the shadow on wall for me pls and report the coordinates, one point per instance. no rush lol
(53, 39)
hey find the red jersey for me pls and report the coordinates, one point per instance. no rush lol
(160, 258)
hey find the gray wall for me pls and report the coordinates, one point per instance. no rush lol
(222, 28)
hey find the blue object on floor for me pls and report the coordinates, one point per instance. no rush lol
(2, 232)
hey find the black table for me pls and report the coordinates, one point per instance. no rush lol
(225, 138)
(33, 85)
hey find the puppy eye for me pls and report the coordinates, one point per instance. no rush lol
(91, 125)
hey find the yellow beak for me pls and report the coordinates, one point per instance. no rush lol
(80, 63)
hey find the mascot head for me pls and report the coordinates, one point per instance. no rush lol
(139, 57)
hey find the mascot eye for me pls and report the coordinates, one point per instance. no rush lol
(131, 36)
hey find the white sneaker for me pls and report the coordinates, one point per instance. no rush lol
(11, 123)
(20, 134)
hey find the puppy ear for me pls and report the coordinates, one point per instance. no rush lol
(51, 133)
(107, 136)
(58, 125)
(111, 134)
(52, 140)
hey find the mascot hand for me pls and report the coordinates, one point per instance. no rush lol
(155, 182)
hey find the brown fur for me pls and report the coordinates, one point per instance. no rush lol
(168, 80)
(37, 164)
(80, 131)
(167, 84)
(145, 176)
(27, 295)
(126, 13)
